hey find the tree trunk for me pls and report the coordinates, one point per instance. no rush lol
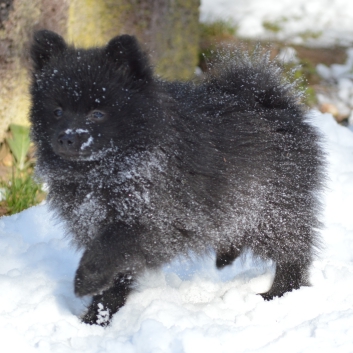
(18, 19)
(168, 29)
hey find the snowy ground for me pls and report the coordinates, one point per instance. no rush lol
(339, 81)
(317, 22)
(189, 306)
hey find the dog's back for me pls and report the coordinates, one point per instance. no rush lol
(143, 170)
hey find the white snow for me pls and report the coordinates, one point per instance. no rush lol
(87, 143)
(319, 22)
(188, 306)
(81, 131)
(339, 77)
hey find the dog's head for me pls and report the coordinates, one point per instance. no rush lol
(88, 101)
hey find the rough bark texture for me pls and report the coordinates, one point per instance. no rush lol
(168, 29)
(18, 19)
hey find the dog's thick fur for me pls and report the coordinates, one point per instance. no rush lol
(143, 170)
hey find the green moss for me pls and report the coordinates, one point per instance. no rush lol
(310, 35)
(87, 22)
(212, 36)
(179, 35)
(170, 32)
(14, 38)
(217, 30)
(303, 74)
(274, 27)
(308, 70)
(310, 97)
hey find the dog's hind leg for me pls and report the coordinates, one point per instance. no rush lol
(226, 256)
(288, 276)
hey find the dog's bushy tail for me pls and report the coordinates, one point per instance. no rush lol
(253, 78)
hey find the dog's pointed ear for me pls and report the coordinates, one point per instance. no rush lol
(125, 51)
(45, 45)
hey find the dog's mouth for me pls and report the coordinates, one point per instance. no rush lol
(79, 145)
(74, 155)
(73, 144)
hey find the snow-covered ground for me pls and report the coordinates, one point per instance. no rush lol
(189, 306)
(338, 79)
(318, 22)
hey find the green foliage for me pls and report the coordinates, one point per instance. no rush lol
(19, 145)
(310, 35)
(212, 34)
(310, 96)
(20, 192)
(218, 30)
(274, 27)
(303, 74)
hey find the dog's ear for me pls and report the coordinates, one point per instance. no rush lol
(125, 51)
(46, 44)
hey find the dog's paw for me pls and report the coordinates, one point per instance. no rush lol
(94, 275)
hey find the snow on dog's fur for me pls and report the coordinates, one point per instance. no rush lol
(143, 170)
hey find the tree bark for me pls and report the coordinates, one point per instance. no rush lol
(167, 29)
(18, 19)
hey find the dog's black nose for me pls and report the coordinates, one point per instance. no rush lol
(71, 142)
(68, 140)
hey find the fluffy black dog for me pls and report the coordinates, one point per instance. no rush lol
(143, 170)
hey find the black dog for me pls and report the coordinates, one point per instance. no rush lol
(143, 170)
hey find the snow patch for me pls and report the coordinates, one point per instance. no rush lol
(87, 143)
(187, 306)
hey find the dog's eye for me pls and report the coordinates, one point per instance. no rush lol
(58, 112)
(96, 116)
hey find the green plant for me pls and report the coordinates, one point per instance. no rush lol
(212, 35)
(310, 35)
(272, 26)
(20, 192)
(217, 30)
(303, 74)
(19, 144)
